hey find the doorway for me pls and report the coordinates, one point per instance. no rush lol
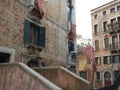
(107, 78)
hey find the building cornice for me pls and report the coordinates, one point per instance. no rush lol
(105, 6)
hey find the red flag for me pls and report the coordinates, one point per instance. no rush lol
(73, 31)
(89, 52)
(40, 4)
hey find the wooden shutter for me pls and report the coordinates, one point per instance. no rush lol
(41, 36)
(26, 32)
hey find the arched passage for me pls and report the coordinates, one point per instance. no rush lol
(33, 63)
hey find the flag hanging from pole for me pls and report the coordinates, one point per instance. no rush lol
(72, 33)
(89, 52)
(40, 4)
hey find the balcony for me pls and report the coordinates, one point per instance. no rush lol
(114, 28)
(115, 47)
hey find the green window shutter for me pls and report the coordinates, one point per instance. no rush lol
(41, 36)
(26, 32)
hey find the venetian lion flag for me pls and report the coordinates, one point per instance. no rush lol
(90, 55)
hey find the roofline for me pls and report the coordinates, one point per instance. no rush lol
(103, 5)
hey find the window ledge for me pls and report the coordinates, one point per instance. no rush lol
(34, 46)
(106, 48)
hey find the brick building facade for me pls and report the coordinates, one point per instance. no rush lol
(28, 37)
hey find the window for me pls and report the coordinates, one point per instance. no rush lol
(88, 61)
(69, 6)
(96, 45)
(70, 46)
(105, 26)
(83, 74)
(118, 8)
(98, 60)
(112, 10)
(82, 44)
(116, 73)
(104, 13)
(95, 29)
(34, 34)
(95, 16)
(118, 19)
(113, 24)
(115, 59)
(106, 60)
(98, 75)
(69, 13)
(106, 43)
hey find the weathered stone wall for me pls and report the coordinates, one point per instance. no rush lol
(64, 78)
(11, 25)
(12, 16)
(57, 39)
(21, 77)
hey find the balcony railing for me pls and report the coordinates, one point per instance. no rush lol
(115, 46)
(114, 27)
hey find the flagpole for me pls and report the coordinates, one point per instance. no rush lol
(89, 52)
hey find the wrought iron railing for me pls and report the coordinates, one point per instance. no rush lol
(114, 27)
(115, 46)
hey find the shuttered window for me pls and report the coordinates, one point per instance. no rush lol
(34, 34)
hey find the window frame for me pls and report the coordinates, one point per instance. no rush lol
(118, 8)
(106, 60)
(98, 75)
(96, 29)
(105, 26)
(96, 45)
(39, 42)
(95, 16)
(106, 43)
(98, 60)
(104, 13)
(114, 60)
(112, 10)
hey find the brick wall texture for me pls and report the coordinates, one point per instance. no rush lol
(12, 17)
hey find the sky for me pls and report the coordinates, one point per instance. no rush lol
(83, 16)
